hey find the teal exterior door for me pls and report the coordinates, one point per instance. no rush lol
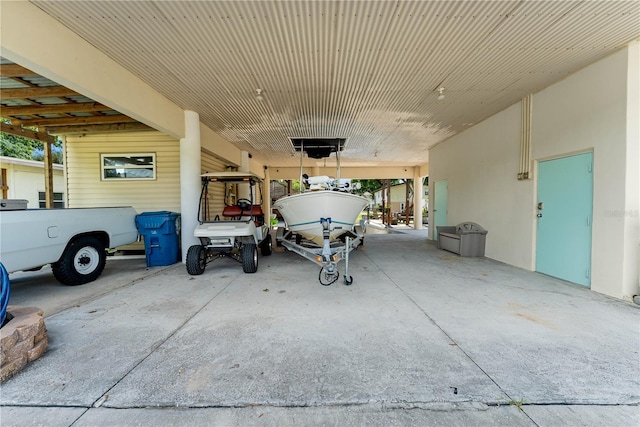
(440, 206)
(565, 207)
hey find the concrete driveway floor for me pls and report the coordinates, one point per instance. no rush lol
(422, 337)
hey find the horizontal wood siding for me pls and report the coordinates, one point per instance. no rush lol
(210, 163)
(86, 189)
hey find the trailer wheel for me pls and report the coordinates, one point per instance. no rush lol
(82, 262)
(267, 246)
(196, 260)
(249, 258)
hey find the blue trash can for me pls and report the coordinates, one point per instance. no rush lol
(161, 232)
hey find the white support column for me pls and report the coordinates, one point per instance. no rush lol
(266, 195)
(417, 199)
(190, 184)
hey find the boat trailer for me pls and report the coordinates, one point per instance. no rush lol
(329, 254)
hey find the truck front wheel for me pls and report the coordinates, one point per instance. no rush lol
(82, 262)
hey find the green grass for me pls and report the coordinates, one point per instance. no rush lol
(517, 403)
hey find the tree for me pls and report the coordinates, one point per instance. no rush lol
(25, 148)
(56, 153)
(295, 185)
(370, 185)
(373, 185)
(16, 146)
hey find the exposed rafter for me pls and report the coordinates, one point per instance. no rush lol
(15, 70)
(27, 133)
(85, 107)
(66, 121)
(37, 92)
(104, 128)
(24, 103)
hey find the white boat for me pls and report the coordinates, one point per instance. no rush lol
(323, 213)
(304, 212)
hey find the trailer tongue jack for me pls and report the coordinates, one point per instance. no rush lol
(329, 254)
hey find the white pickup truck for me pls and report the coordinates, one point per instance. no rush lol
(73, 241)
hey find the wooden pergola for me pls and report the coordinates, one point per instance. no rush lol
(40, 109)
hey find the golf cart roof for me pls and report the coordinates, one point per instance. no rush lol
(231, 176)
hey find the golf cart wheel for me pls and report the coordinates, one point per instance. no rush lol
(267, 246)
(196, 260)
(249, 258)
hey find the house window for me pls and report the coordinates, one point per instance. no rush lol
(128, 166)
(58, 200)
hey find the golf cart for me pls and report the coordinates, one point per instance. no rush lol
(237, 232)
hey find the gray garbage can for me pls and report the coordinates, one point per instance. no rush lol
(472, 239)
(465, 239)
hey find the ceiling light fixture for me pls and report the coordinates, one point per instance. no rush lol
(441, 96)
(259, 96)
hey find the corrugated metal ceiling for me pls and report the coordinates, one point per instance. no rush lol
(367, 71)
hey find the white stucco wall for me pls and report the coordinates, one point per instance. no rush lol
(481, 166)
(592, 110)
(585, 112)
(631, 273)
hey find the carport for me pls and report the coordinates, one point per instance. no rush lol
(475, 95)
